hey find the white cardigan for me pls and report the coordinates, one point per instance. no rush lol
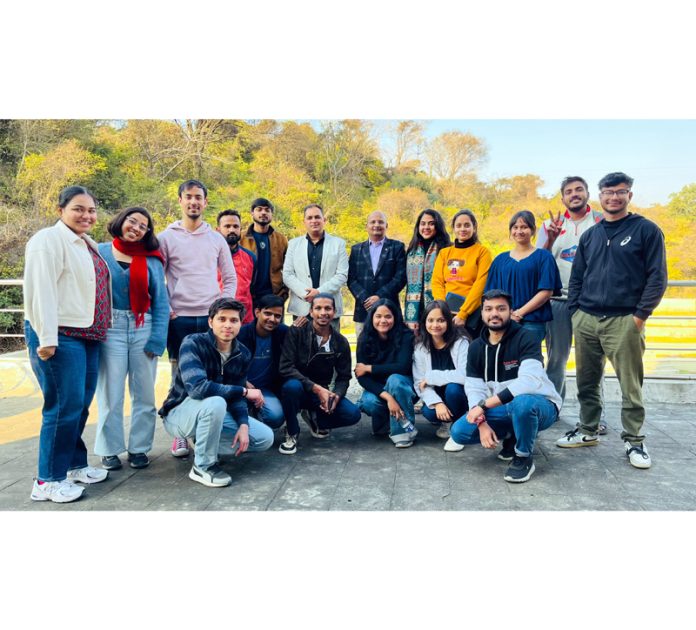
(59, 282)
(333, 275)
(423, 369)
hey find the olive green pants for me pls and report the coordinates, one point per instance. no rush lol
(619, 340)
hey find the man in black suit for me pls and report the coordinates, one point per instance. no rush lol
(376, 269)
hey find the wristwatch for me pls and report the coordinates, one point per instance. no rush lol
(482, 403)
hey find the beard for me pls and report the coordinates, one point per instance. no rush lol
(232, 239)
(499, 325)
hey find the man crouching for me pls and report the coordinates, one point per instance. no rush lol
(208, 399)
(505, 373)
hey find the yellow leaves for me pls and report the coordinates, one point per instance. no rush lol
(43, 176)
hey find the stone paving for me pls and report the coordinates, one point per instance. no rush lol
(352, 470)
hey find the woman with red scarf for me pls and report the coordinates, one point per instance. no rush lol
(137, 337)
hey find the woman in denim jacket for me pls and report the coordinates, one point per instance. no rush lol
(135, 340)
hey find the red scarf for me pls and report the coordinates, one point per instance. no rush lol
(138, 287)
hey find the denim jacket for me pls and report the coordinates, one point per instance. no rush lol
(159, 300)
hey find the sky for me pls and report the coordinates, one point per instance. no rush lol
(659, 154)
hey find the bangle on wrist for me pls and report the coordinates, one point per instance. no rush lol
(479, 421)
(245, 391)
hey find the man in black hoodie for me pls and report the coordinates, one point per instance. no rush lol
(618, 278)
(505, 374)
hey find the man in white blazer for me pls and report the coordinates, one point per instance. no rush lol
(315, 263)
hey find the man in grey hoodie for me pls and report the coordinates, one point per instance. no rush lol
(193, 254)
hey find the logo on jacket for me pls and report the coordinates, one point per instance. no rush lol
(625, 241)
(569, 254)
(511, 365)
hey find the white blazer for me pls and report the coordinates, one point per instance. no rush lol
(333, 275)
(423, 369)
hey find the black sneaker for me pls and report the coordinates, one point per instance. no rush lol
(508, 451)
(310, 419)
(520, 469)
(111, 462)
(138, 460)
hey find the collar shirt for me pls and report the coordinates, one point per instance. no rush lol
(315, 251)
(375, 251)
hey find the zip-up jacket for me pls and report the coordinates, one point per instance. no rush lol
(621, 272)
(507, 369)
(247, 336)
(302, 359)
(202, 374)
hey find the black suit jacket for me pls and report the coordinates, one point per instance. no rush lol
(387, 282)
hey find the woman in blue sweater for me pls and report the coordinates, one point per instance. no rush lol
(529, 274)
(384, 356)
(136, 338)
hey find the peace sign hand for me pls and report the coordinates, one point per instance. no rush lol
(554, 228)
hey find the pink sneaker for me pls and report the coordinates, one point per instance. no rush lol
(180, 447)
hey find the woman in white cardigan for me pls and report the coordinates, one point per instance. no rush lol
(439, 368)
(67, 302)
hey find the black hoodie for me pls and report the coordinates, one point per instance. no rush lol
(619, 272)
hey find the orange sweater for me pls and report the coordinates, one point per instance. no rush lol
(462, 271)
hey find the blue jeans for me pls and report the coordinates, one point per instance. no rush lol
(271, 414)
(525, 416)
(181, 326)
(123, 354)
(67, 380)
(293, 397)
(538, 328)
(260, 435)
(454, 399)
(401, 388)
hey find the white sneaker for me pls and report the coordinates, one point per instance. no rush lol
(289, 446)
(443, 431)
(88, 474)
(452, 447)
(57, 491)
(638, 455)
(574, 438)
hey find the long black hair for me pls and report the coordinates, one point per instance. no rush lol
(442, 238)
(369, 337)
(451, 334)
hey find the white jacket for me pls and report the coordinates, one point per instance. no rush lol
(423, 369)
(59, 282)
(333, 275)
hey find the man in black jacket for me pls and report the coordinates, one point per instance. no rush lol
(376, 269)
(618, 278)
(310, 358)
(264, 338)
(208, 398)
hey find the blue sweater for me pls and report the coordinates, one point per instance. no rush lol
(159, 300)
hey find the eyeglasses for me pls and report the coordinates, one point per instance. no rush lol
(134, 223)
(618, 193)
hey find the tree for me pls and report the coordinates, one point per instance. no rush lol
(43, 176)
(684, 202)
(408, 144)
(345, 154)
(454, 154)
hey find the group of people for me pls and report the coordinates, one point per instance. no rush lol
(466, 345)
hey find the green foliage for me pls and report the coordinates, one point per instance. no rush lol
(339, 165)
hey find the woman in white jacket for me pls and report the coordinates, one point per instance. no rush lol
(439, 368)
(67, 302)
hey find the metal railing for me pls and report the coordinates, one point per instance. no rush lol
(654, 318)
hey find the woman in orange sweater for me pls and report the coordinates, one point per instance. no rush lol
(461, 271)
